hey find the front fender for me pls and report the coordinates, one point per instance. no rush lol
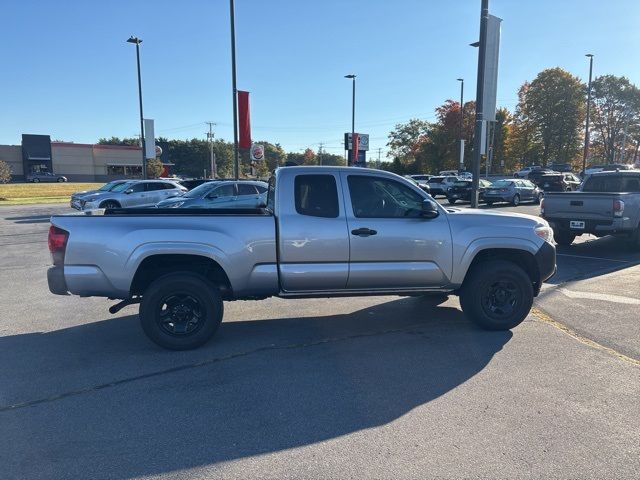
(463, 260)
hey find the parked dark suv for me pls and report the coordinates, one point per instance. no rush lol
(558, 182)
(461, 190)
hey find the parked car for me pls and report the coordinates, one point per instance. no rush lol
(448, 173)
(607, 204)
(524, 172)
(221, 194)
(326, 231)
(465, 175)
(461, 190)
(191, 183)
(558, 182)
(561, 167)
(134, 193)
(512, 191)
(536, 173)
(107, 187)
(423, 184)
(591, 170)
(439, 185)
(37, 177)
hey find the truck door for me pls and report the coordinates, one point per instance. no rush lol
(391, 244)
(313, 240)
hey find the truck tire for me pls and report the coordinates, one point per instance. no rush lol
(563, 237)
(496, 295)
(181, 311)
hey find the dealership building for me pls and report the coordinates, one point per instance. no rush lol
(79, 162)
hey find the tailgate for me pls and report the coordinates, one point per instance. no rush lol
(579, 206)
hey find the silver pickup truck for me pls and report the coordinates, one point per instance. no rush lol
(324, 232)
(608, 203)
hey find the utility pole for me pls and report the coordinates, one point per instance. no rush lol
(212, 155)
(320, 154)
(461, 132)
(477, 140)
(585, 154)
(379, 153)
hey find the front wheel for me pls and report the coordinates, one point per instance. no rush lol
(109, 204)
(35, 180)
(452, 201)
(60, 180)
(497, 295)
(181, 311)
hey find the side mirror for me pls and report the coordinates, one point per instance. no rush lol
(429, 209)
(128, 191)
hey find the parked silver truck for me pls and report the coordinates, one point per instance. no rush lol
(325, 231)
(608, 203)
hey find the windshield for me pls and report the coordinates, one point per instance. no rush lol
(121, 187)
(108, 186)
(201, 190)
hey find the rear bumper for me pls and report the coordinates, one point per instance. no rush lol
(55, 279)
(598, 227)
(546, 262)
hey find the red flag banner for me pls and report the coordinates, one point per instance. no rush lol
(355, 148)
(244, 120)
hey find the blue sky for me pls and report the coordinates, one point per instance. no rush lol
(66, 70)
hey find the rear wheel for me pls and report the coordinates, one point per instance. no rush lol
(60, 180)
(489, 203)
(35, 180)
(515, 201)
(452, 201)
(181, 311)
(563, 237)
(497, 295)
(634, 239)
(537, 198)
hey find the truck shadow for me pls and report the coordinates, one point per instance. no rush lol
(97, 400)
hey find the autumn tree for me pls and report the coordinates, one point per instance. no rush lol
(556, 109)
(154, 168)
(616, 105)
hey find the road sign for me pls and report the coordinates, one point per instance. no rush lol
(363, 141)
(257, 152)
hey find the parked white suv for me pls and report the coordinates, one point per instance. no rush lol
(135, 193)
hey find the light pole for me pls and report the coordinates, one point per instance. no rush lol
(236, 153)
(586, 127)
(461, 80)
(137, 42)
(354, 157)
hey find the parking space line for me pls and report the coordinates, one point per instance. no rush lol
(593, 258)
(544, 318)
(599, 296)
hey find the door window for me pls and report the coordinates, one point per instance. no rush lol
(244, 189)
(223, 191)
(375, 197)
(316, 195)
(137, 187)
(152, 186)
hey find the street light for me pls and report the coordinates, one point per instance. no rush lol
(137, 42)
(586, 127)
(461, 80)
(354, 157)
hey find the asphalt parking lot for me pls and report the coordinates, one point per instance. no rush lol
(385, 387)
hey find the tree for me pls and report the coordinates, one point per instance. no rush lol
(616, 104)
(556, 108)
(503, 127)
(117, 141)
(154, 168)
(5, 172)
(523, 145)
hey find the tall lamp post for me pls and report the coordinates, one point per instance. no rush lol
(354, 155)
(461, 80)
(586, 126)
(236, 152)
(137, 42)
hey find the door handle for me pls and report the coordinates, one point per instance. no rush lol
(363, 232)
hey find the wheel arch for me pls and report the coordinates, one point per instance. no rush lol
(522, 258)
(109, 200)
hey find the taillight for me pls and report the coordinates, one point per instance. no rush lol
(57, 244)
(618, 208)
(542, 207)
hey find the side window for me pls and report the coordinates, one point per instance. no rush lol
(375, 197)
(244, 189)
(224, 191)
(168, 186)
(271, 196)
(153, 186)
(316, 195)
(137, 187)
(632, 184)
(261, 189)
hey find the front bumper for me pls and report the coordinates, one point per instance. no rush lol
(55, 279)
(546, 261)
